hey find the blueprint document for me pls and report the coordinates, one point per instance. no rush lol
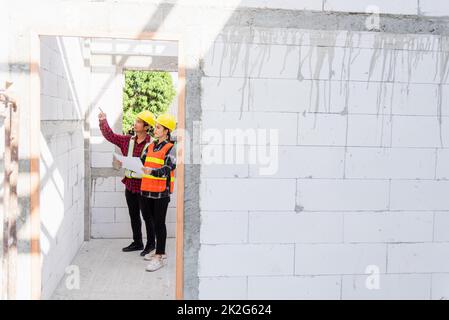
(131, 163)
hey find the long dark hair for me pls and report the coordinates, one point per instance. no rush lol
(169, 138)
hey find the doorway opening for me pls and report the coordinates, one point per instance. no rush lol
(80, 214)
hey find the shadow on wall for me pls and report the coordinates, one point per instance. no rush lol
(63, 99)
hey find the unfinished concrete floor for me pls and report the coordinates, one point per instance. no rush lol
(108, 273)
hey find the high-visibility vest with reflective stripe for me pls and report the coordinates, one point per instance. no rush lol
(155, 160)
(129, 173)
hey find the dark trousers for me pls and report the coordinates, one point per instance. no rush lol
(134, 207)
(156, 210)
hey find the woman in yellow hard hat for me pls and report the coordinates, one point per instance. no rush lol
(133, 146)
(158, 183)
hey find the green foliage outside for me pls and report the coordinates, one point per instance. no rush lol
(146, 90)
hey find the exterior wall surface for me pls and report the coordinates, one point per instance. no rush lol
(361, 183)
(362, 120)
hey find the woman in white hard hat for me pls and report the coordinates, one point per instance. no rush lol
(158, 183)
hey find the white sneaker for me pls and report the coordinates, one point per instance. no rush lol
(155, 264)
(150, 255)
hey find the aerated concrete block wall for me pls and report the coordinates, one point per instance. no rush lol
(358, 201)
(361, 188)
(63, 101)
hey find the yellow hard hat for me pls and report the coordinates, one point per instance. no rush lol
(167, 120)
(147, 116)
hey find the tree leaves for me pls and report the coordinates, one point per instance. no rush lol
(146, 90)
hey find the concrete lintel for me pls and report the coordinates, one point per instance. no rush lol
(313, 20)
(106, 172)
(137, 62)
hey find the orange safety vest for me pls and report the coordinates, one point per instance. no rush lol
(155, 159)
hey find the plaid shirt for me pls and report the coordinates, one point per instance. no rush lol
(162, 172)
(122, 141)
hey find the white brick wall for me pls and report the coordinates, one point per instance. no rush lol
(310, 162)
(224, 170)
(394, 163)
(322, 129)
(223, 94)
(283, 95)
(405, 133)
(369, 130)
(440, 286)
(416, 99)
(441, 225)
(342, 194)
(224, 227)
(104, 184)
(219, 288)
(220, 260)
(109, 200)
(285, 123)
(102, 215)
(418, 258)
(362, 171)
(294, 287)
(247, 194)
(316, 259)
(291, 227)
(419, 195)
(388, 227)
(442, 166)
(62, 157)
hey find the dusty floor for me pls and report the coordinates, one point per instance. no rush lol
(108, 273)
